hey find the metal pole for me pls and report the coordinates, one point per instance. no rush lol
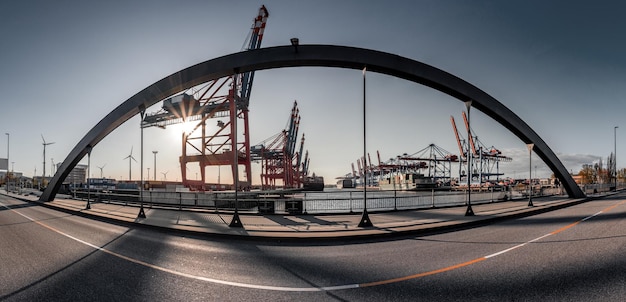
(365, 219)
(43, 173)
(469, 211)
(155, 153)
(142, 213)
(235, 222)
(530, 174)
(395, 200)
(88, 206)
(614, 154)
(6, 185)
(432, 198)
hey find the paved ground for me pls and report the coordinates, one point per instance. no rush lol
(308, 226)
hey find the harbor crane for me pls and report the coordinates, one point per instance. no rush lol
(225, 101)
(279, 158)
(485, 159)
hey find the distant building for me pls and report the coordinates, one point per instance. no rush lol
(78, 175)
(578, 178)
(14, 175)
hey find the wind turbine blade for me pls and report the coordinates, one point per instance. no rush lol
(43, 139)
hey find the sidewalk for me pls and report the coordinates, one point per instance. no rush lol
(309, 226)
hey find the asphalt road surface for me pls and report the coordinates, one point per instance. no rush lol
(574, 254)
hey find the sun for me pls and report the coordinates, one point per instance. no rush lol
(177, 130)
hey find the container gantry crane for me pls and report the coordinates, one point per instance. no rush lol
(227, 100)
(437, 160)
(279, 160)
(484, 159)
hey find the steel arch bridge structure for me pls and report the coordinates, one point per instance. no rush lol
(317, 56)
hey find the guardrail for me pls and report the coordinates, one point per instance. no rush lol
(336, 201)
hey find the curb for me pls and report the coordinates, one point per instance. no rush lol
(322, 235)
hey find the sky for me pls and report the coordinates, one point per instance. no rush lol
(559, 65)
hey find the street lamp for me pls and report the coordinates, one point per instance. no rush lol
(155, 153)
(469, 211)
(88, 206)
(142, 213)
(530, 173)
(235, 221)
(6, 185)
(615, 154)
(365, 219)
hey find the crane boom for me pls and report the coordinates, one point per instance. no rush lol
(305, 164)
(258, 28)
(300, 152)
(469, 131)
(456, 133)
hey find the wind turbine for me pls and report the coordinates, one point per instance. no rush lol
(164, 175)
(130, 158)
(44, 157)
(101, 169)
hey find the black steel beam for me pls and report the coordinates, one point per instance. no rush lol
(320, 56)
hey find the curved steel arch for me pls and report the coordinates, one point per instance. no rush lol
(321, 56)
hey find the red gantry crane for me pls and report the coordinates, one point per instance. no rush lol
(278, 156)
(223, 100)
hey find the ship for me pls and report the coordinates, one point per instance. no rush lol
(313, 183)
(407, 182)
(346, 183)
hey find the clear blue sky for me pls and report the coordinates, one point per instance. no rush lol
(559, 65)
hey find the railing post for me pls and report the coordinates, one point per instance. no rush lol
(465, 193)
(215, 201)
(350, 202)
(432, 198)
(395, 200)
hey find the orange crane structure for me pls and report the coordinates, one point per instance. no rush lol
(225, 100)
(280, 161)
(485, 159)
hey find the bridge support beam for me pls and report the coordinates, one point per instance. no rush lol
(320, 56)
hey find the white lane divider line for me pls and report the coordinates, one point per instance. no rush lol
(314, 289)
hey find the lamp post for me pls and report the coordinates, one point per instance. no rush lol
(469, 211)
(142, 213)
(155, 153)
(6, 185)
(615, 154)
(530, 173)
(235, 221)
(88, 206)
(365, 219)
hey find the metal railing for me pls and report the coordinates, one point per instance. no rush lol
(336, 201)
